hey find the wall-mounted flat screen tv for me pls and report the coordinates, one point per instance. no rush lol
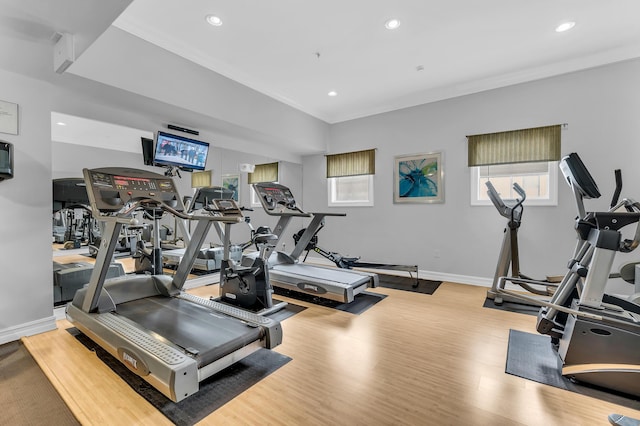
(179, 151)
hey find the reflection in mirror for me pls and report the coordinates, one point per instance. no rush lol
(77, 143)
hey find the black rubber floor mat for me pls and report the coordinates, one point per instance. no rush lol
(532, 357)
(408, 284)
(512, 307)
(214, 392)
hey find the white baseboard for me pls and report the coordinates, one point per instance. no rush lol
(455, 278)
(60, 312)
(27, 329)
(428, 275)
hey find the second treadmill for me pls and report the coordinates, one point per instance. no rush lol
(341, 285)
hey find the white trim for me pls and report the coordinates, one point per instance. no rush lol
(60, 312)
(253, 198)
(455, 278)
(27, 329)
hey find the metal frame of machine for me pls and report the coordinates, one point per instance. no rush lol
(341, 285)
(598, 334)
(171, 339)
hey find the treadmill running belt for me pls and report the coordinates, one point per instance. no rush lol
(189, 325)
(334, 276)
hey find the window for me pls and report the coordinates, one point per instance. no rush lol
(262, 173)
(528, 157)
(539, 181)
(350, 191)
(255, 201)
(350, 178)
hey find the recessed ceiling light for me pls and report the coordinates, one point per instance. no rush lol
(566, 26)
(214, 20)
(332, 93)
(392, 24)
(60, 123)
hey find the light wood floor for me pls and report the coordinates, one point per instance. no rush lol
(412, 359)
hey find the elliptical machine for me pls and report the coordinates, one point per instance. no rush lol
(597, 334)
(509, 253)
(149, 261)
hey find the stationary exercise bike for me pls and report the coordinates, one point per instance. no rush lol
(149, 261)
(245, 284)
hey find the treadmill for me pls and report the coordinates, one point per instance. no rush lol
(209, 259)
(287, 272)
(69, 195)
(171, 339)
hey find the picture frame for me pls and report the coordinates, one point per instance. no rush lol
(8, 117)
(418, 178)
(232, 182)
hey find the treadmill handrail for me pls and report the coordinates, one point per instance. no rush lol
(297, 212)
(140, 204)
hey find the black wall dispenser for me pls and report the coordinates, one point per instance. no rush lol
(6, 160)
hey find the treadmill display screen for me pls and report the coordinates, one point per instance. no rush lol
(134, 183)
(113, 187)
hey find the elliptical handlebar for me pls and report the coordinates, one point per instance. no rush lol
(513, 213)
(497, 200)
(520, 191)
(616, 193)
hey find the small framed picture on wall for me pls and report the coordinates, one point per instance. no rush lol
(232, 183)
(418, 178)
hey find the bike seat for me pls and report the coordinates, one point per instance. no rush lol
(264, 238)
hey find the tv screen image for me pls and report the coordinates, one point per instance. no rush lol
(179, 151)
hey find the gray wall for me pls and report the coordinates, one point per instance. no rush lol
(25, 216)
(454, 240)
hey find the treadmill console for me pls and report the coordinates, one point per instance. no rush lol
(206, 195)
(272, 195)
(225, 208)
(110, 189)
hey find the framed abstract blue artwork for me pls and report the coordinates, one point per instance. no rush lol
(418, 178)
(232, 182)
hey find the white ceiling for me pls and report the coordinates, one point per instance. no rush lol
(297, 51)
